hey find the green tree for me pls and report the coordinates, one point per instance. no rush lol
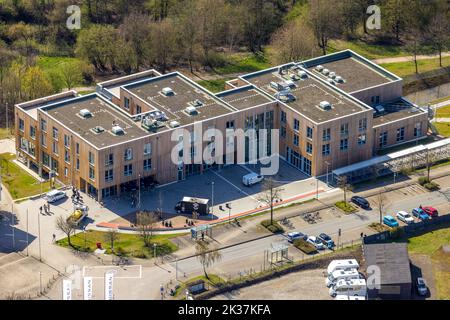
(206, 256)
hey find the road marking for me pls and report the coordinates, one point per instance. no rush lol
(228, 181)
(114, 269)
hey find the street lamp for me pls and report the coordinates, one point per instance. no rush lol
(328, 165)
(212, 199)
(154, 251)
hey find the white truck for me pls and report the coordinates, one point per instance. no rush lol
(251, 179)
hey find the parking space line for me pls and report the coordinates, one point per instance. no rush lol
(243, 166)
(236, 187)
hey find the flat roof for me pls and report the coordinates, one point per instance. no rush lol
(358, 73)
(309, 93)
(185, 92)
(392, 259)
(103, 115)
(31, 107)
(397, 110)
(244, 97)
(113, 86)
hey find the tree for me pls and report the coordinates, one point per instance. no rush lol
(35, 84)
(71, 74)
(66, 226)
(161, 44)
(111, 236)
(270, 195)
(294, 42)
(438, 33)
(145, 221)
(206, 256)
(381, 205)
(342, 183)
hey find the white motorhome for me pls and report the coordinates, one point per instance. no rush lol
(346, 297)
(354, 287)
(346, 264)
(251, 179)
(337, 275)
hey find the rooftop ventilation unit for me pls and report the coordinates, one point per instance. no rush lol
(302, 74)
(326, 72)
(332, 75)
(294, 77)
(191, 110)
(197, 103)
(325, 105)
(167, 91)
(319, 68)
(174, 124)
(148, 122)
(331, 81)
(85, 113)
(158, 115)
(289, 83)
(117, 130)
(98, 129)
(339, 79)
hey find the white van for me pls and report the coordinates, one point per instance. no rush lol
(251, 179)
(347, 264)
(341, 274)
(354, 287)
(55, 195)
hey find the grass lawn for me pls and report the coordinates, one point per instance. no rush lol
(243, 63)
(369, 51)
(440, 100)
(345, 206)
(52, 68)
(404, 69)
(213, 281)
(430, 244)
(4, 133)
(443, 128)
(128, 244)
(19, 183)
(214, 86)
(443, 112)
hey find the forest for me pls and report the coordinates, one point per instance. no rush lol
(40, 55)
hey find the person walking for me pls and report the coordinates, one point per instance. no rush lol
(54, 238)
(40, 209)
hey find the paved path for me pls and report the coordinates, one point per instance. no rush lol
(409, 58)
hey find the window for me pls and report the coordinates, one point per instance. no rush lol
(66, 156)
(147, 164)
(77, 148)
(45, 159)
(43, 140)
(309, 132)
(54, 166)
(78, 164)
(109, 159)
(128, 154)
(55, 147)
(128, 170)
(21, 125)
(296, 125)
(375, 100)
(55, 133)
(309, 148)
(326, 149)
(109, 175)
(138, 109)
(230, 124)
(400, 134)
(283, 132)
(344, 129)
(283, 117)
(66, 172)
(383, 139)
(326, 135)
(363, 124)
(344, 144)
(91, 158)
(296, 141)
(33, 132)
(147, 149)
(126, 103)
(418, 130)
(66, 141)
(91, 173)
(43, 125)
(362, 139)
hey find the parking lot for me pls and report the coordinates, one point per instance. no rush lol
(224, 186)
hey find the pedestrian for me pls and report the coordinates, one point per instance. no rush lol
(40, 209)
(361, 235)
(45, 208)
(203, 236)
(54, 238)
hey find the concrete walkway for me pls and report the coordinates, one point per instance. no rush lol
(410, 58)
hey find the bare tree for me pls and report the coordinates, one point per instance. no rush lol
(66, 226)
(71, 74)
(438, 33)
(381, 205)
(271, 194)
(145, 221)
(206, 256)
(111, 236)
(324, 18)
(342, 183)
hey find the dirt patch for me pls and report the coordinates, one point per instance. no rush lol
(303, 285)
(422, 266)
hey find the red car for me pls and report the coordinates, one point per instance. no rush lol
(432, 212)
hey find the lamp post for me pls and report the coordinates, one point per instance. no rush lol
(212, 199)
(139, 193)
(39, 235)
(154, 251)
(328, 166)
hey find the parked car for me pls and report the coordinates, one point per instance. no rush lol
(405, 217)
(421, 286)
(316, 242)
(292, 236)
(390, 221)
(360, 201)
(326, 240)
(420, 214)
(55, 195)
(432, 212)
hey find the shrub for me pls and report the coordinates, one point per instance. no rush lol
(304, 246)
(423, 181)
(431, 186)
(345, 206)
(378, 227)
(274, 227)
(120, 251)
(396, 233)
